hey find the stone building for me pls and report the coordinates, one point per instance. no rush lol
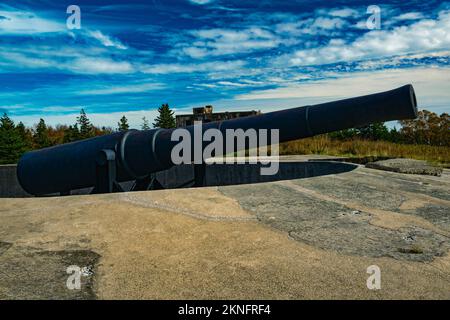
(206, 114)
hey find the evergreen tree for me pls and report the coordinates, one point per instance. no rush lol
(123, 124)
(40, 137)
(395, 136)
(145, 124)
(374, 131)
(106, 130)
(71, 134)
(26, 136)
(165, 119)
(11, 143)
(86, 128)
(345, 134)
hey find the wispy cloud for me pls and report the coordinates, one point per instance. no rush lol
(88, 65)
(410, 16)
(220, 42)
(27, 22)
(53, 52)
(201, 2)
(124, 89)
(344, 12)
(430, 84)
(422, 36)
(193, 67)
(74, 62)
(105, 40)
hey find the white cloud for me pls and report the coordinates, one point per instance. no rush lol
(343, 13)
(410, 16)
(66, 59)
(201, 2)
(135, 88)
(312, 26)
(84, 59)
(328, 24)
(199, 67)
(92, 65)
(25, 61)
(97, 61)
(217, 42)
(232, 84)
(241, 83)
(105, 40)
(206, 85)
(15, 22)
(12, 107)
(23, 22)
(431, 86)
(61, 108)
(362, 24)
(396, 61)
(422, 36)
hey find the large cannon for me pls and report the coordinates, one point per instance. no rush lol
(102, 162)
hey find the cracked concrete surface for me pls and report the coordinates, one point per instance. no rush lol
(410, 166)
(293, 239)
(339, 225)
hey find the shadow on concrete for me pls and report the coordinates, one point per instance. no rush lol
(186, 176)
(234, 174)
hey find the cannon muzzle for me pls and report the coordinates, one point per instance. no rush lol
(134, 155)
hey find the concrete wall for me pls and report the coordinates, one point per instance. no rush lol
(9, 185)
(215, 175)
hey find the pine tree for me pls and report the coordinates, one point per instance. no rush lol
(123, 124)
(345, 134)
(165, 119)
(395, 136)
(145, 124)
(106, 130)
(86, 128)
(40, 137)
(71, 134)
(26, 136)
(374, 131)
(11, 143)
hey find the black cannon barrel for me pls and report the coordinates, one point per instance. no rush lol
(138, 153)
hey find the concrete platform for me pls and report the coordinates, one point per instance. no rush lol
(291, 239)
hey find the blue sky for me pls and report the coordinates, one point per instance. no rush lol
(131, 56)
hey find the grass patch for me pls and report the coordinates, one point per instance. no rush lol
(366, 148)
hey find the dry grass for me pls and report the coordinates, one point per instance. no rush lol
(363, 148)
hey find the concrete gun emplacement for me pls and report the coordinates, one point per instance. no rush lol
(105, 161)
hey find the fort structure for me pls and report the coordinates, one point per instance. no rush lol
(206, 114)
